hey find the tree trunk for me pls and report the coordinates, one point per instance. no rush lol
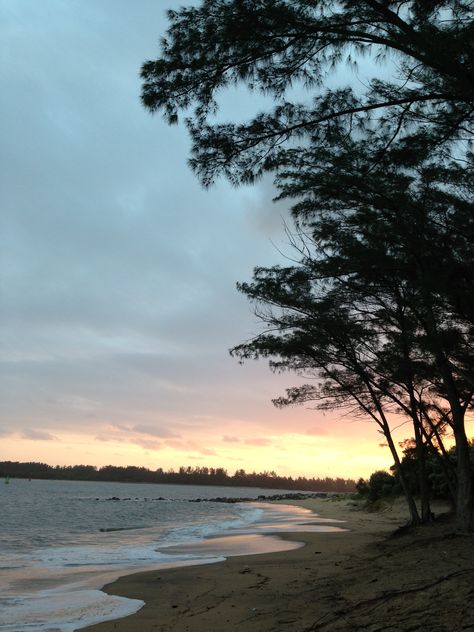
(414, 515)
(426, 513)
(416, 416)
(464, 499)
(464, 509)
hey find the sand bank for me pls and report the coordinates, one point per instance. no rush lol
(360, 579)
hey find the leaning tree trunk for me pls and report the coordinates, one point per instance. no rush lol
(464, 508)
(448, 468)
(385, 427)
(414, 515)
(426, 514)
(415, 413)
(464, 500)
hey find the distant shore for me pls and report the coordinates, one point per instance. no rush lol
(199, 475)
(359, 579)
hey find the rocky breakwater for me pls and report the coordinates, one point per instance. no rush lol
(233, 500)
(262, 498)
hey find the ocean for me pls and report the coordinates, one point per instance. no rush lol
(61, 541)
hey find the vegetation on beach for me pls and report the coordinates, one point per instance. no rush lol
(375, 308)
(183, 476)
(382, 484)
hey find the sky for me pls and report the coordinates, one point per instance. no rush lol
(118, 303)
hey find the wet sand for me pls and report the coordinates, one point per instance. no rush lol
(361, 579)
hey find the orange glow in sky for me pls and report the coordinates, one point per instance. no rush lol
(349, 450)
(303, 442)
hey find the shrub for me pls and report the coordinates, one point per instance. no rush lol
(380, 484)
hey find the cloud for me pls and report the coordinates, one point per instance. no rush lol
(118, 269)
(258, 441)
(104, 438)
(129, 438)
(148, 444)
(207, 452)
(195, 446)
(317, 431)
(154, 431)
(37, 435)
(142, 321)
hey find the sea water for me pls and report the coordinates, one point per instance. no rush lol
(61, 541)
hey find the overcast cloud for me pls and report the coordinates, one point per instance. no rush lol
(118, 300)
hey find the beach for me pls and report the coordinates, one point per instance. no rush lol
(362, 579)
(63, 540)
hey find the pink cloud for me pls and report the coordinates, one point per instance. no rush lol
(154, 431)
(316, 432)
(208, 452)
(228, 439)
(258, 441)
(148, 444)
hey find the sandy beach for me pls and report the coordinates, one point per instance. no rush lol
(362, 579)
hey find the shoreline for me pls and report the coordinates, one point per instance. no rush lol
(59, 586)
(337, 581)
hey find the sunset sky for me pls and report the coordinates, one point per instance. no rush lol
(118, 271)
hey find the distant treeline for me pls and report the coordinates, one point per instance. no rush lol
(183, 476)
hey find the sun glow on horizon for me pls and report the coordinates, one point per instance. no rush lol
(314, 447)
(287, 454)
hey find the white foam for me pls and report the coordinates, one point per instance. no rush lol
(96, 556)
(54, 611)
(250, 515)
(77, 602)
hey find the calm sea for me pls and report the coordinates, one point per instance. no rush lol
(60, 541)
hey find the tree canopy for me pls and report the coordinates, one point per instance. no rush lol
(364, 313)
(270, 46)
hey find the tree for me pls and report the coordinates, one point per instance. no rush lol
(436, 476)
(415, 285)
(368, 295)
(402, 236)
(272, 45)
(380, 484)
(318, 331)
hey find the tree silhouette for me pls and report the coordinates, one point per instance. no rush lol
(272, 46)
(380, 302)
(369, 306)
